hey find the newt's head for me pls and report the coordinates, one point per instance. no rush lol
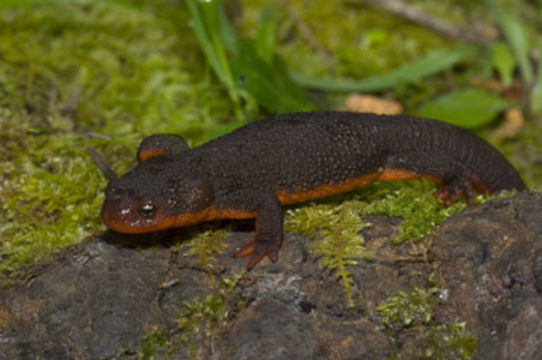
(156, 195)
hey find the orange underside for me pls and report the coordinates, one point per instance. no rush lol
(145, 155)
(180, 220)
(481, 188)
(285, 197)
(290, 197)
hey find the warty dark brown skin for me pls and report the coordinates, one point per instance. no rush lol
(252, 171)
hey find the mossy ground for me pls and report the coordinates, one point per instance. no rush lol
(202, 317)
(80, 75)
(337, 222)
(415, 309)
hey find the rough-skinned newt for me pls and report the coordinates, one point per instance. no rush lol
(291, 158)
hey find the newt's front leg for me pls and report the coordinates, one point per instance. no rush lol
(265, 207)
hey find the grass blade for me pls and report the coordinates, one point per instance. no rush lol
(265, 34)
(207, 23)
(203, 38)
(516, 36)
(536, 92)
(408, 73)
(268, 82)
(503, 61)
(227, 35)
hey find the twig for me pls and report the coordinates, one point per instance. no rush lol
(305, 31)
(101, 164)
(69, 108)
(96, 135)
(410, 13)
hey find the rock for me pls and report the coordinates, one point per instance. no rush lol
(99, 299)
(489, 261)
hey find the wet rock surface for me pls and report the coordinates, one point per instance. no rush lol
(100, 299)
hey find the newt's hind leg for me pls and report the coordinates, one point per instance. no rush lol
(455, 180)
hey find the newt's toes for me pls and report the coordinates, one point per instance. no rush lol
(256, 252)
(253, 260)
(451, 192)
(245, 250)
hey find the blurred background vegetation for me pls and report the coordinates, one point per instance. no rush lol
(105, 74)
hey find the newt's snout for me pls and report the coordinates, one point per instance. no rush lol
(125, 211)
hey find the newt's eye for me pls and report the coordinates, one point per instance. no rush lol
(148, 210)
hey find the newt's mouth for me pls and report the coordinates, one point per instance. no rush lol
(128, 221)
(125, 228)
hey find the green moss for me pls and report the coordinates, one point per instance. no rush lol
(374, 45)
(417, 206)
(71, 68)
(206, 245)
(153, 341)
(203, 315)
(451, 342)
(415, 309)
(408, 309)
(202, 318)
(338, 224)
(340, 245)
(52, 193)
(136, 72)
(412, 201)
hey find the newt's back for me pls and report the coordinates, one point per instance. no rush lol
(307, 150)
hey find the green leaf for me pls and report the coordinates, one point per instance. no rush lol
(536, 92)
(503, 61)
(516, 36)
(466, 108)
(268, 83)
(408, 73)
